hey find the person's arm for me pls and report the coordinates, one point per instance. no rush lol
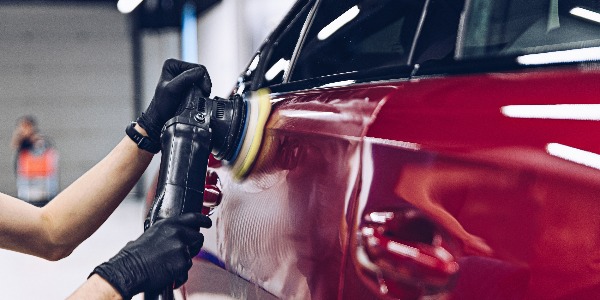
(160, 257)
(52, 232)
(96, 288)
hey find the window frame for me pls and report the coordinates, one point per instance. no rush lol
(373, 75)
(270, 43)
(459, 65)
(475, 65)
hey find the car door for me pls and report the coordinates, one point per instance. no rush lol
(491, 149)
(285, 227)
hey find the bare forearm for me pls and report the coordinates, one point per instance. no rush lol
(96, 288)
(81, 208)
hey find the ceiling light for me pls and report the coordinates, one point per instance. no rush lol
(585, 14)
(127, 6)
(589, 112)
(338, 23)
(575, 155)
(573, 55)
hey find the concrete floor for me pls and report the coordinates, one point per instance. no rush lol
(28, 277)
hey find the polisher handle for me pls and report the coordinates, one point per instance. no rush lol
(185, 146)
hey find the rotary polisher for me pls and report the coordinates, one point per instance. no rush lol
(231, 129)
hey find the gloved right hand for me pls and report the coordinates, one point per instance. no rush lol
(175, 80)
(160, 256)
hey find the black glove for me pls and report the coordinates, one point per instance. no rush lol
(159, 257)
(175, 80)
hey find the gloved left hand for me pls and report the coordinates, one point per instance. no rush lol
(177, 77)
(160, 256)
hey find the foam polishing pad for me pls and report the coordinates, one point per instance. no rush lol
(258, 109)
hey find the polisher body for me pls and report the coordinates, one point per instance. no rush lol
(228, 128)
(202, 125)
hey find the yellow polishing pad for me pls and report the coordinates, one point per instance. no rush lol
(259, 108)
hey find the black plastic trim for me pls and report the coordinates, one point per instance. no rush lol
(484, 65)
(381, 74)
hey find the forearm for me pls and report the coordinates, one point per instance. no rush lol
(96, 288)
(53, 231)
(82, 207)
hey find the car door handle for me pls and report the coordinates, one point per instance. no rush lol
(403, 250)
(212, 192)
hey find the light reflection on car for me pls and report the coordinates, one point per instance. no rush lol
(474, 127)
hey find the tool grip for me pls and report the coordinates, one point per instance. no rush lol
(185, 146)
(182, 171)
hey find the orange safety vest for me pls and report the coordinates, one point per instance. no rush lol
(33, 165)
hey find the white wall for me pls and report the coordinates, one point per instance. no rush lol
(230, 33)
(69, 65)
(157, 46)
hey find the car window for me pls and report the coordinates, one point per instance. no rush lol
(280, 53)
(245, 79)
(516, 27)
(437, 36)
(357, 35)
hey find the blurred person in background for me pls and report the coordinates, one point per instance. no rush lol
(162, 255)
(36, 163)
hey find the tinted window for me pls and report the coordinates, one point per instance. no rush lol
(245, 79)
(357, 35)
(494, 28)
(437, 37)
(280, 53)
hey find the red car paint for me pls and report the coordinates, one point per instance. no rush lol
(523, 218)
(490, 180)
(468, 186)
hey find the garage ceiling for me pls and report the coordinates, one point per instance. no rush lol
(155, 14)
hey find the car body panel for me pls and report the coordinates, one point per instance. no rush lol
(497, 162)
(273, 228)
(524, 214)
(515, 211)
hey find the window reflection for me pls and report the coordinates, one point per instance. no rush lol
(590, 112)
(357, 35)
(283, 45)
(585, 14)
(574, 155)
(278, 68)
(336, 24)
(514, 27)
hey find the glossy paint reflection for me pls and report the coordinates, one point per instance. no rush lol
(402, 254)
(284, 227)
(524, 218)
(468, 208)
(518, 219)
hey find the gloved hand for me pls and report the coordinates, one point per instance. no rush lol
(175, 80)
(160, 256)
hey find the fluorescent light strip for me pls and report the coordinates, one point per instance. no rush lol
(403, 249)
(336, 24)
(338, 83)
(574, 155)
(277, 68)
(127, 6)
(400, 144)
(573, 55)
(254, 63)
(308, 114)
(586, 14)
(589, 112)
(189, 33)
(380, 217)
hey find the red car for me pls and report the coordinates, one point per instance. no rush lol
(436, 149)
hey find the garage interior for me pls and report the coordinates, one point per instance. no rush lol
(85, 70)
